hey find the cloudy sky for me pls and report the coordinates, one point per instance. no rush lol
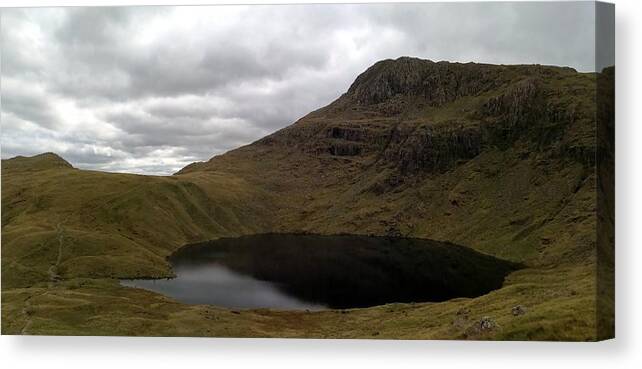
(151, 89)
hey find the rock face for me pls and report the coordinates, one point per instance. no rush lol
(516, 103)
(433, 148)
(436, 83)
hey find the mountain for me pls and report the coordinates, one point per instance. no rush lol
(44, 161)
(480, 154)
(502, 159)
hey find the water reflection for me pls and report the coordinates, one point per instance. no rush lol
(290, 271)
(215, 284)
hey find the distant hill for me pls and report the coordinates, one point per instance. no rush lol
(44, 161)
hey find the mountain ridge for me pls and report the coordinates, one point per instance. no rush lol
(384, 92)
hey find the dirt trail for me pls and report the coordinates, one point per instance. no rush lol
(54, 278)
(53, 270)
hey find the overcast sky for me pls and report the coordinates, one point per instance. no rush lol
(151, 89)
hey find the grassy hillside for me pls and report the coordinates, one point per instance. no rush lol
(112, 225)
(497, 158)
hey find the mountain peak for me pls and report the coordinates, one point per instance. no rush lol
(47, 160)
(436, 82)
(439, 82)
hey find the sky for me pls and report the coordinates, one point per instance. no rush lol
(151, 89)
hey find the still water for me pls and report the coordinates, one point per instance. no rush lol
(294, 271)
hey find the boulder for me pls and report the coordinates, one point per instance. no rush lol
(518, 310)
(487, 324)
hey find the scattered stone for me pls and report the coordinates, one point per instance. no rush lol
(481, 327)
(518, 310)
(236, 312)
(487, 324)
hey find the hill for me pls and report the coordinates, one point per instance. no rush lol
(502, 159)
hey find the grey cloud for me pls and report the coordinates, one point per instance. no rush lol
(87, 157)
(101, 62)
(171, 110)
(28, 104)
(96, 26)
(556, 33)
